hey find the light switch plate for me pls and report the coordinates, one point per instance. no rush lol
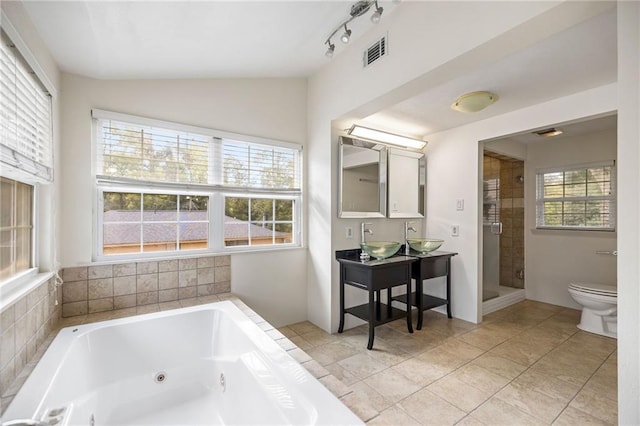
(455, 230)
(460, 204)
(348, 232)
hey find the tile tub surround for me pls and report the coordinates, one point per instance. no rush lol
(100, 288)
(25, 327)
(299, 355)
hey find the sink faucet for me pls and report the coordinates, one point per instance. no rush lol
(364, 230)
(407, 228)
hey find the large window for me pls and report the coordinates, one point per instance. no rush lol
(166, 188)
(577, 198)
(26, 160)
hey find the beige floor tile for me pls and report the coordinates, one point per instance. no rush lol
(429, 409)
(419, 371)
(572, 417)
(498, 365)
(301, 342)
(332, 352)
(570, 371)
(319, 337)
(461, 349)
(549, 385)
(336, 387)
(315, 369)
(604, 381)
(342, 374)
(287, 332)
(483, 338)
(393, 416)
(596, 405)
(303, 327)
(362, 365)
(459, 393)
(523, 353)
(414, 344)
(470, 421)
(387, 354)
(532, 402)
(497, 412)
(480, 378)
(392, 385)
(365, 401)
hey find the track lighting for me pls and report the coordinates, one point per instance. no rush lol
(332, 47)
(347, 34)
(359, 8)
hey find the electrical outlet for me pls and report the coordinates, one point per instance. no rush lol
(455, 230)
(460, 204)
(348, 232)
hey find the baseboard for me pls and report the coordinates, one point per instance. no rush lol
(500, 302)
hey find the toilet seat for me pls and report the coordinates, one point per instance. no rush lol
(597, 289)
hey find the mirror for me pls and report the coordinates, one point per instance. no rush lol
(362, 185)
(407, 175)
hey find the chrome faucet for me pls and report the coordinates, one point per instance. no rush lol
(364, 230)
(407, 228)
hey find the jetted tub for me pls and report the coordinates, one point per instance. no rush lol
(203, 365)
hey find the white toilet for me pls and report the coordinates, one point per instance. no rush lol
(599, 307)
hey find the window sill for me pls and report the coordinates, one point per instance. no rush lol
(11, 292)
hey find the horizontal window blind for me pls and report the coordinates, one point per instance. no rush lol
(577, 198)
(25, 117)
(128, 150)
(152, 154)
(248, 165)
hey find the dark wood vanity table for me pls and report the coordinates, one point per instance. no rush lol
(376, 275)
(429, 265)
(373, 276)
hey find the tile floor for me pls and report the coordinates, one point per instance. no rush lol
(526, 364)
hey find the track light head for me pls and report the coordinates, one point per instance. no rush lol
(346, 35)
(329, 52)
(375, 18)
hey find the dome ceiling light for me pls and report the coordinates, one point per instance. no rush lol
(474, 101)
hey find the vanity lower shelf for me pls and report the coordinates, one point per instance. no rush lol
(381, 313)
(428, 302)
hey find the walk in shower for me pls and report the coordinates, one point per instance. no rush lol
(503, 228)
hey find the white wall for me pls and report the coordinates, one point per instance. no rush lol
(628, 213)
(460, 146)
(343, 92)
(270, 108)
(553, 259)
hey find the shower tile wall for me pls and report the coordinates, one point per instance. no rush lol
(512, 214)
(25, 326)
(91, 289)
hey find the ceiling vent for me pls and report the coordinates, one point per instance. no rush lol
(376, 51)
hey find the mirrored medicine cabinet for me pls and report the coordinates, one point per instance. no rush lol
(379, 181)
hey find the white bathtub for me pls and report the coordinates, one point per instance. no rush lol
(207, 364)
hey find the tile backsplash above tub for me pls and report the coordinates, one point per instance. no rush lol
(91, 289)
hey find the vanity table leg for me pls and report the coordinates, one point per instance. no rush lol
(389, 302)
(419, 301)
(449, 287)
(372, 321)
(409, 324)
(341, 326)
(378, 305)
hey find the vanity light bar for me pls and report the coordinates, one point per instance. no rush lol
(390, 138)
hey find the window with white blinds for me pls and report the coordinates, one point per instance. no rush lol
(580, 197)
(25, 119)
(232, 192)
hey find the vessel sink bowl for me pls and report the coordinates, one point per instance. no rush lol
(380, 249)
(424, 245)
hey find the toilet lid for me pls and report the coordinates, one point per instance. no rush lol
(603, 289)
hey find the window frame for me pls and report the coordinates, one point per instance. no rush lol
(217, 193)
(541, 200)
(14, 286)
